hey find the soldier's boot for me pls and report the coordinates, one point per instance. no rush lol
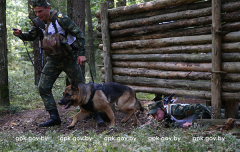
(98, 118)
(53, 120)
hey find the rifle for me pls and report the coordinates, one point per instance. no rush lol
(168, 100)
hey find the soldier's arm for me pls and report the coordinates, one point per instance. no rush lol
(31, 35)
(68, 25)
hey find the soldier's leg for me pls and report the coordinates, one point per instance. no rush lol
(73, 71)
(45, 89)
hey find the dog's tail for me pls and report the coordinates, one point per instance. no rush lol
(139, 105)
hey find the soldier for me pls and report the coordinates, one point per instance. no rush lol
(69, 64)
(181, 115)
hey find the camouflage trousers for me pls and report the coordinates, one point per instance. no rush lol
(53, 69)
(198, 110)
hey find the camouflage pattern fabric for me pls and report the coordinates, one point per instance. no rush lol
(68, 25)
(54, 68)
(36, 3)
(199, 111)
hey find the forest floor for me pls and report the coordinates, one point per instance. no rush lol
(28, 120)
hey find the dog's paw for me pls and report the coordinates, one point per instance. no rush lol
(70, 127)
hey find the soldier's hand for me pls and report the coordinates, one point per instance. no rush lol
(81, 60)
(187, 124)
(17, 32)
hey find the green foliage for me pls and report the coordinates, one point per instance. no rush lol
(145, 96)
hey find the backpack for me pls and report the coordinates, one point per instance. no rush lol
(55, 45)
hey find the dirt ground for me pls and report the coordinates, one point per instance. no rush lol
(29, 119)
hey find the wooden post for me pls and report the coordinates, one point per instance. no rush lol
(106, 42)
(106, 45)
(216, 60)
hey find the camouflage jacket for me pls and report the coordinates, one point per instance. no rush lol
(182, 111)
(68, 25)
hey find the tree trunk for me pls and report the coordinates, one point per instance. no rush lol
(90, 39)
(70, 8)
(38, 55)
(79, 19)
(110, 3)
(4, 91)
(216, 60)
(106, 43)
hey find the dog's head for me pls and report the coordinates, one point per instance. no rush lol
(70, 95)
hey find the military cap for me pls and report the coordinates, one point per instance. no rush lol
(153, 107)
(36, 3)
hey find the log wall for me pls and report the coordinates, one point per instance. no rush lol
(165, 47)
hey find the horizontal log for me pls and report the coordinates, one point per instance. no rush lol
(231, 77)
(226, 47)
(142, 7)
(186, 93)
(178, 93)
(200, 58)
(161, 11)
(157, 35)
(180, 84)
(162, 27)
(161, 74)
(228, 27)
(170, 50)
(186, 14)
(234, 16)
(191, 75)
(192, 40)
(230, 67)
(168, 66)
(203, 58)
(200, 39)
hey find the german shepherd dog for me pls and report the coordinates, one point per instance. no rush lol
(94, 97)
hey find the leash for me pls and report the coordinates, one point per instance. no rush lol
(34, 65)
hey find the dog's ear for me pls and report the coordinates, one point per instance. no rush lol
(67, 82)
(74, 85)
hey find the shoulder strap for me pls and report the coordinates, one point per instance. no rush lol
(51, 16)
(38, 23)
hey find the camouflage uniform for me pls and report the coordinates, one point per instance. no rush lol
(198, 110)
(179, 111)
(55, 67)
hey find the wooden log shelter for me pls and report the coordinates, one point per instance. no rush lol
(187, 47)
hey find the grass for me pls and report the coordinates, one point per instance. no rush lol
(149, 138)
(24, 95)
